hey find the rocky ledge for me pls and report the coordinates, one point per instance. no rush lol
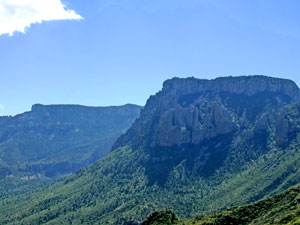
(248, 85)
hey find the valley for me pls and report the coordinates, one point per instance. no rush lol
(198, 147)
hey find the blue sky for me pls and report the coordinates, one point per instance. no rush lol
(122, 50)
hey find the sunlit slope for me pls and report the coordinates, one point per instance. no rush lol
(199, 146)
(283, 208)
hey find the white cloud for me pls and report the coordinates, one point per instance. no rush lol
(17, 15)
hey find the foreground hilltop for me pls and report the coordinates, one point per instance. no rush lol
(199, 146)
(55, 140)
(283, 208)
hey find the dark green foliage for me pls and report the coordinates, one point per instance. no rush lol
(48, 142)
(283, 208)
(190, 154)
(164, 217)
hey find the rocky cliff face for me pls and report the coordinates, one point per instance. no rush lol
(210, 117)
(193, 110)
(193, 124)
(247, 85)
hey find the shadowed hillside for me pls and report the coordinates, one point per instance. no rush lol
(199, 146)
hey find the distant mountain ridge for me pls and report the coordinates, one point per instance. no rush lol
(54, 140)
(198, 146)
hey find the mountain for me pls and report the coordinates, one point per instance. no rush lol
(51, 141)
(283, 208)
(199, 146)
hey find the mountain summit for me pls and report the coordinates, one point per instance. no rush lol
(181, 112)
(198, 146)
(201, 120)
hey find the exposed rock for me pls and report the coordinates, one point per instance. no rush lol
(287, 124)
(202, 120)
(282, 128)
(193, 124)
(193, 110)
(248, 85)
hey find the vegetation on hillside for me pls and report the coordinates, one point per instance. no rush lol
(48, 142)
(191, 150)
(283, 208)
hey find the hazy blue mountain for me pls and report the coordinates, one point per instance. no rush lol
(55, 140)
(199, 146)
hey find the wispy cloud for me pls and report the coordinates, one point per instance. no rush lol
(18, 15)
